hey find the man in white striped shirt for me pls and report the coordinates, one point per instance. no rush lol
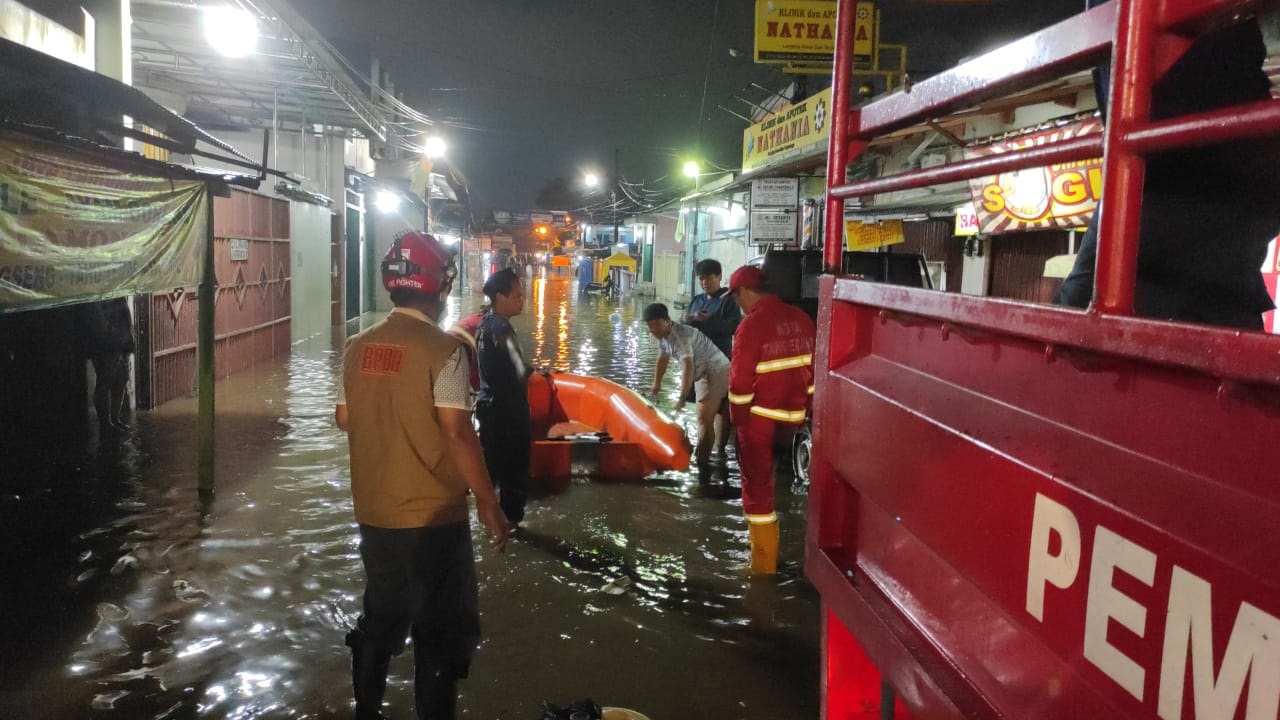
(704, 369)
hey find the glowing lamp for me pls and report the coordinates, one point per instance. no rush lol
(387, 201)
(434, 147)
(231, 31)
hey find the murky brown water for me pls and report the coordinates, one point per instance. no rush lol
(127, 597)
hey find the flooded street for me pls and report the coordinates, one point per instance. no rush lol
(129, 597)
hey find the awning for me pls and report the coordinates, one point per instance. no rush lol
(42, 90)
(83, 222)
(621, 260)
(1063, 91)
(805, 164)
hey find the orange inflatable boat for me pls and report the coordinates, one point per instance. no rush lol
(589, 426)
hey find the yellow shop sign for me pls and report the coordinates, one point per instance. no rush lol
(803, 32)
(793, 131)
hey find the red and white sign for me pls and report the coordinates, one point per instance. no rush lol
(967, 221)
(1055, 196)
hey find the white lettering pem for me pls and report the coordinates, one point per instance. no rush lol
(1051, 517)
(1112, 552)
(1253, 652)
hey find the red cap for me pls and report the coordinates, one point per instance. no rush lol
(418, 262)
(747, 276)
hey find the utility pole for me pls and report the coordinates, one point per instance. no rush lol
(693, 245)
(613, 194)
(206, 339)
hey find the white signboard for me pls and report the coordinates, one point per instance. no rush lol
(967, 221)
(773, 227)
(775, 193)
(239, 250)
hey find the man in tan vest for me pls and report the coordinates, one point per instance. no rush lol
(406, 407)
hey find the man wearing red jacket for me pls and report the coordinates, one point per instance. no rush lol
(770, 382)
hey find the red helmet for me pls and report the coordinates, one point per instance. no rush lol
(416, 261)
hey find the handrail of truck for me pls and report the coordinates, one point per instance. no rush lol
(1132, 29)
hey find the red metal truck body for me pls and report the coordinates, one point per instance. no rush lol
(1022, 511)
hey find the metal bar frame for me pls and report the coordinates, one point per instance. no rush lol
(1134, 28)
(1102, 339)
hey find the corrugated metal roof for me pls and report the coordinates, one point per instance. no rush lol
(293, 74)
(128, 158)
(35, 87)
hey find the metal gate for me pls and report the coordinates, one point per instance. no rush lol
(251, 250)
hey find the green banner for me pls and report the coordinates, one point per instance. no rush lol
(75, 227)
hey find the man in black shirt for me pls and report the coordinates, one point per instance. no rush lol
(713, 311)
(1208, 212)
(502, 406)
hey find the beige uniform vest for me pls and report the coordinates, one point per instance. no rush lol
(400, 474)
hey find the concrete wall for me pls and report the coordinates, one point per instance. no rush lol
(720, 236)
(666, 278)
(318, 162)
(311, 285)
(664, 231)
(24, 24)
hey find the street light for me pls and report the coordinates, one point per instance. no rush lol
(387, 201)
(591, 180)
(231, 31)
(692, 171)
(434, 147)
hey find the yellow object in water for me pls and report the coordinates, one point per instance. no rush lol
(764, 547)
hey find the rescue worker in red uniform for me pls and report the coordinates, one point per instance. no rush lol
(770, 383)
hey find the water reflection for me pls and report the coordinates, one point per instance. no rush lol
(164, 607)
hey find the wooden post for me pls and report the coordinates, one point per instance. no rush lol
(205, 365)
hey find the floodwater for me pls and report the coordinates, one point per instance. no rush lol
(126, 596)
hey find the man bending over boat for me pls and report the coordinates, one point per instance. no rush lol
(704, 369)
(714, 312)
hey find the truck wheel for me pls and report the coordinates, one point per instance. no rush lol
(802, 454)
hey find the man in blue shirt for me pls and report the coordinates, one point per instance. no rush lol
(713, 311)
(502, 406)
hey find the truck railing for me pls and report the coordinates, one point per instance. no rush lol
(1078, 43)
(949, 431)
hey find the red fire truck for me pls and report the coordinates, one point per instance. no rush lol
(1026, 511)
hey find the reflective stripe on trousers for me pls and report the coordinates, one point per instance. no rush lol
(786, 416)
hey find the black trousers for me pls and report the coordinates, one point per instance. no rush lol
(422, 580)
(507, 444)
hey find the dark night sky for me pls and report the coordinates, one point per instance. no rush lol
(528, 90)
